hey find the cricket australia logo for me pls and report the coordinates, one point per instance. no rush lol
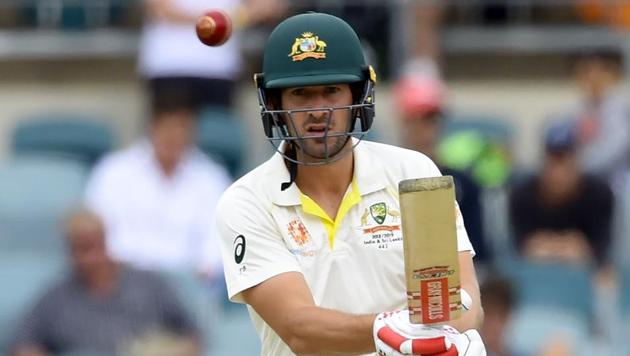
(308, 46)
(379, 212)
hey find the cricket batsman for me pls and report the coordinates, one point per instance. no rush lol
(312, 239)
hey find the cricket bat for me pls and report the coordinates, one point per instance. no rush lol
(428, 213)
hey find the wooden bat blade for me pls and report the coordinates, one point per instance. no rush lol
(428, 216)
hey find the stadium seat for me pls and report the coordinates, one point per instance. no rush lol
(234, 334)
(196, 298)
(623, 303)
(23, 277)
(222, 136)
(556, 285)
(552, 299)
(69, 135)
(624, 295)
(36, 192)
(226, 331)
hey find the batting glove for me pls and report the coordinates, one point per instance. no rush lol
(394, 335)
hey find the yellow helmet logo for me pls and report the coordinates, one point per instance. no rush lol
(308, 46)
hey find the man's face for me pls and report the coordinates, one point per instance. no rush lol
(561, 174)
(86, 239)
(171, 135)
(595, 77)
(313, 125)
(422, 133)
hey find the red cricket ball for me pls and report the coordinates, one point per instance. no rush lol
(214, 28)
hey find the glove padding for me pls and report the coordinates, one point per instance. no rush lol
(394, 335)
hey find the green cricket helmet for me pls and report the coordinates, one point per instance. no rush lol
(314, 49)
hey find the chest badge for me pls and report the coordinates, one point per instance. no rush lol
(298, 232)
(382, 231)
(378, 212)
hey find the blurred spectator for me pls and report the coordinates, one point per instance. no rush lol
(157, 197)
(562, 214)
(603, 116)
(497, 298)
(102, 306)
(426, 52)
(171, 56)
(421, 101)
(370, 20)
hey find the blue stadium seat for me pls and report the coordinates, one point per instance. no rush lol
(624, 295)
(222, 136)
(236, 334)
(36, 192)
(556, 285)
(227, 331)
(552, 299)
(70, 135)
(23, 277)
(195, 295)
(622, 325)
(74, 15)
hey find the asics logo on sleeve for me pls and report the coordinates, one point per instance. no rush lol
(239, 249)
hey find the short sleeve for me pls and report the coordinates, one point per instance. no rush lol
(252, 246)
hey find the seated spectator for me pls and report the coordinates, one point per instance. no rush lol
(157, 197)
(562, 214)
(421, 99)
(498, 301)
(101, 306)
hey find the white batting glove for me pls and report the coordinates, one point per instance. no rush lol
(394, 335)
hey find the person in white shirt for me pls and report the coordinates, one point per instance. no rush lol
(158, 197)
(311, 239)
(171, 55)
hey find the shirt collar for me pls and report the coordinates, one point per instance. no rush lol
(368, 174)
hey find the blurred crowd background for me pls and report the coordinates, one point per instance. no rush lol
(119, 131)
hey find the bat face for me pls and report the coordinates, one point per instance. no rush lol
(428, 213)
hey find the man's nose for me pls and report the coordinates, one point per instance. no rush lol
(319, 102)
(320, 115)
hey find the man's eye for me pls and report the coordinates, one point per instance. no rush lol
(298, 92)
(332, 90)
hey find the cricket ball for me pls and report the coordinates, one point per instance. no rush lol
(214, 27)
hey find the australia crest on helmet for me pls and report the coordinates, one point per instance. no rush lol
(308, 46)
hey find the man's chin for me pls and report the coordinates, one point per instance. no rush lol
(321, 154)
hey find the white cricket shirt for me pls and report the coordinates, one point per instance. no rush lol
(353, 263)
(157, 222)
